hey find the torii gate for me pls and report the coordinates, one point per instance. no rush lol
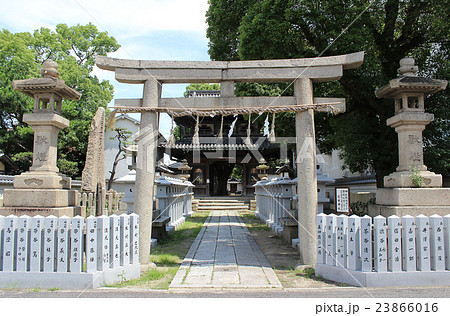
(301, 72)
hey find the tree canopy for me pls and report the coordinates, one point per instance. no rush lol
(74, 49)
(386, 30)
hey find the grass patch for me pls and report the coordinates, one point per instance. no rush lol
(309, 273)
(283, 267)
(166, 259)
(169, 254)
(53, 289)
(253, 223)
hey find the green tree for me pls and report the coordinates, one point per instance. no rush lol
(386, 30)
(74, 48)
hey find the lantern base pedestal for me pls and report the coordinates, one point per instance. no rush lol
(411, 201)
(70, 211)
(402, 179)
(42, 180)
(40, 198)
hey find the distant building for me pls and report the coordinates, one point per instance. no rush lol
(111, 146)
(358, 183)
(124, 167)
(206, 173)
(7, 166)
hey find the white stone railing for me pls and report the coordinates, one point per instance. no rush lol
(273, 201)
(112, 200)
(174, 199)
(42, 251)
(378, 252)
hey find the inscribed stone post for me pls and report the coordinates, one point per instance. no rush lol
(409, 243)
(2, 226)
(395, 244)
(110, 203)
(353, 252)
(437, 243)
(124, 240)
(306, 171)
(91, 244)
(341, 231)
(63, 244)
(9, 243)
(36, 237)
(447, 241)
(423, 243)
(93, 176)
(23, 225)
(76, 245)
(145, 167)
(114, 242)
(331, 240)
(134, 243)
(50, 223)
(366, 244)
(102, 243)
(380, 243)
(320, 222)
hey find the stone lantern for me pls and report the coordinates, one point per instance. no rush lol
(409, 121)
(43, 190)
(400, 195)
(262, 169)
(185, 170)
(285, 170)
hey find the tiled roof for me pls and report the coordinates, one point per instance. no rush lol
(354, 180)
(225, 144)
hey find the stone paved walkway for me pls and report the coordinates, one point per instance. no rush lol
(225, 255)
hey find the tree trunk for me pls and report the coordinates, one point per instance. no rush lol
(113, 171)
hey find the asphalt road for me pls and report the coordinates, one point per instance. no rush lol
(343, 292)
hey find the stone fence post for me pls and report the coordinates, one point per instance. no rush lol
(174, 198)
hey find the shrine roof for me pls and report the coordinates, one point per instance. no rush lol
(237, 144)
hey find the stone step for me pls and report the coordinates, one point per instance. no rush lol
(215, 208)
(220, 201)
(222, 204)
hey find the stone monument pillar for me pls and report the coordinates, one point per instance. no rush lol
(93, 175)
(43, 190)
(401, 195)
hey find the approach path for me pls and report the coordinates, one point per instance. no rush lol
(225, 255)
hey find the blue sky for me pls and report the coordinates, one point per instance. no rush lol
(146, 29)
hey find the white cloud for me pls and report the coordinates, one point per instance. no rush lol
(118, 17)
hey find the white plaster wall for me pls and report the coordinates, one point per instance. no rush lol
(333, 166)
(111, 149)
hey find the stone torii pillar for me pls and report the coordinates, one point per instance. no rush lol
(147, 143)
(306, 172)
